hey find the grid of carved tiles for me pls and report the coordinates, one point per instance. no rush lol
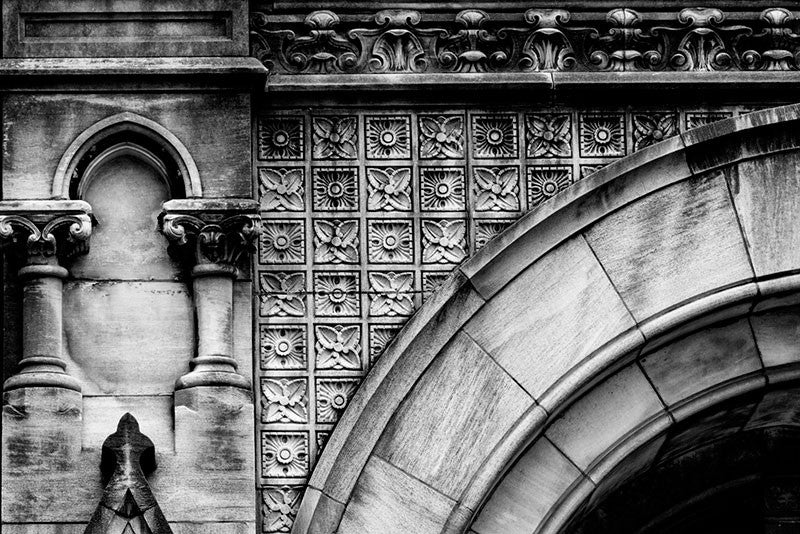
(364, 214)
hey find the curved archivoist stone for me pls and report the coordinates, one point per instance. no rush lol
(576, 308)
(128, 505)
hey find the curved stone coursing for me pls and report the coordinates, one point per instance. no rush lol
(642, 252)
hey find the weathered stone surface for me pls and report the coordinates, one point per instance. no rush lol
(126, 243)
(520, 336)
(388, 500)
(669, 254)
(766, 193)
(604, 416)
(214, 127)
(702, 360)
(125, 28)
(777, 336)
(496, 404)
(116, 330)
(523, 498)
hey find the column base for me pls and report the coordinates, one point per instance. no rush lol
(42, 379)
(41, 429)
(212, 379)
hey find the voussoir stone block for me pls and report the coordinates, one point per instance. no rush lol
(766, 193)
(442, 439)
(777, 334)
(672, 245)
(389, 501)
(702, 360)
(528, 491)
(544, 322)
(608, 413)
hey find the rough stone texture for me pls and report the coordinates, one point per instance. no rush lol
(124, 28)
(496, 397)
(40, 127)
(685, 238)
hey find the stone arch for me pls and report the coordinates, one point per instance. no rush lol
(133, 135)
(695, 233)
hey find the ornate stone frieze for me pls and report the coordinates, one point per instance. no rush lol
(472, 40)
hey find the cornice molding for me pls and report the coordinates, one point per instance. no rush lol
(199, 73)
(542, 39)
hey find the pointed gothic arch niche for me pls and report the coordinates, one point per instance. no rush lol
(126, 166)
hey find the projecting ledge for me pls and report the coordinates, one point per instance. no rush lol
(83, 73)
(776, 85)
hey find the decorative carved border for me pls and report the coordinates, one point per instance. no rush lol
(538, 40)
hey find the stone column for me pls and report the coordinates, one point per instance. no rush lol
(217, 236)
(213, 404)
(42, 404)
(41, 232)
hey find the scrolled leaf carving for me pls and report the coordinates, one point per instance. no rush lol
(473, 48)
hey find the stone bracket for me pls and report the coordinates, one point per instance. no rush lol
(218, 231)
(46, 228)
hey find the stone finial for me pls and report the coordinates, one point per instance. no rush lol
(43, 229)
(128, 505)
(218, 232)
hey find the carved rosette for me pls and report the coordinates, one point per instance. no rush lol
(219, 234)
(44, 230)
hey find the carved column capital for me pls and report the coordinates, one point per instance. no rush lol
(45, 229)
(218, 232)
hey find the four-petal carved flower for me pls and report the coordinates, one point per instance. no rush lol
(389, 189)
(444, 241)
(281, 189)
(284, 401)
(336, 241)
(497, 188)
(549, 136)
(390, 293)
(650, 129)
(281, 505)
(338, 347)
(335, 137)
(441, 136)
(282, 294)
